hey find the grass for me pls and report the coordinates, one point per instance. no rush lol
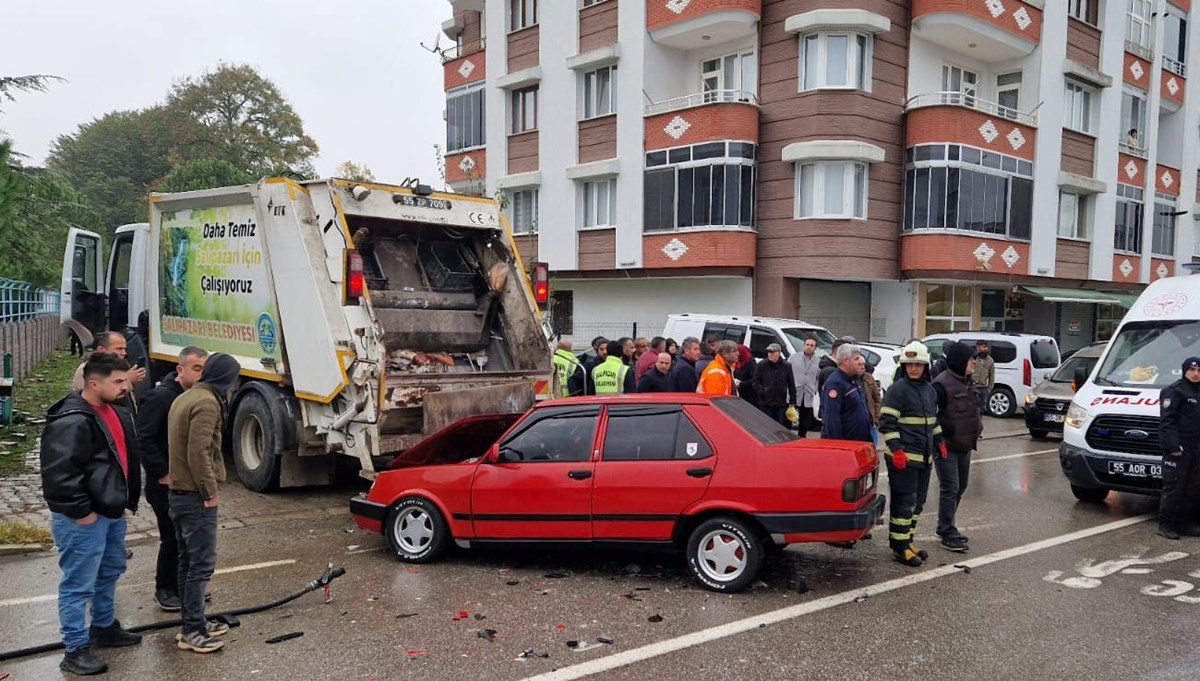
(13, 532)
(46, 384)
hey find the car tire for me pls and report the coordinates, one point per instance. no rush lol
(1039, 434)
(1089, 495)
(1001, 403)
(416, 531)
(725, 554)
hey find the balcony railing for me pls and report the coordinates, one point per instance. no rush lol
(970, 102)
(462, 50)
(700, 99)
(1174, 66)
(1141, 51)
(1133, 150)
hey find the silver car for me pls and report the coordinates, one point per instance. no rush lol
(1046, 405)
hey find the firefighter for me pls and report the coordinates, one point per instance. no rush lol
(570, 372)
(1180, 435)
(612, 376)
(908, 424)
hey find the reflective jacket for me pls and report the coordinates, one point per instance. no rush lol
(570, 374)
(716, 378)
(908, 420)
(612, 377)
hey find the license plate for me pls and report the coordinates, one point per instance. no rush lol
(1135, 470)
(1054, 418)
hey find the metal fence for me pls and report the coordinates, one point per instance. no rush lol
(21, 300)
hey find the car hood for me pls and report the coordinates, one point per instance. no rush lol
(468, 438)
(1054, 391)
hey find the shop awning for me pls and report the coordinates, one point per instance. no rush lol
(1074, 295)
(1126, 300)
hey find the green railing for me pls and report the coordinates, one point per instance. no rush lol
(22, 300)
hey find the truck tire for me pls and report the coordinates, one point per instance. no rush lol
(256, 442)
(1089, 495)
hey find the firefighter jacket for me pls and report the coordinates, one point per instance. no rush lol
(908, 420)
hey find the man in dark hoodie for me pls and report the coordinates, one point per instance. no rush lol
(684, 374)
(958, 415)
(90, 476)
(152, 441)
(197, 469)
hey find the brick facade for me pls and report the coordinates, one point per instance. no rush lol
(732, 121)
(597, 26)
(1072, 259)
(1131, 170)
(598, 139)
(960, 125)
(523, 152)
(1083, 43)
(471, 68)
(467, 166)
(717, 248)
(523, 48)
(1136, 71)
(1166, 180)
(1078, 153)
(962, 254)
(1135, 267)
(1172, 87)
(660, 15)
(1027, 25)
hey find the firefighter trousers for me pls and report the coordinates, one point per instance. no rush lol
(909, 488)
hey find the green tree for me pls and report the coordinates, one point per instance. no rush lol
(245, 120)
(352, 171)
(203, 173)
(11, 84)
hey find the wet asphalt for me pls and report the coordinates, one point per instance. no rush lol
(1033, 599)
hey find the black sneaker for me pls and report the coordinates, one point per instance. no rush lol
(199, 643)
(956, 544)
(82, 662)
(1168, 532)
(113, 636)
(166, 601)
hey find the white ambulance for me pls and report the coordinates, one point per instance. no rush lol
(1110, 438)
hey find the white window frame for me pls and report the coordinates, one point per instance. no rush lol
(522, 210)
(814, 51)
(855, 187)
(1083, 10)
(1139, 119)
(1077, 112)
(1196, 236)
(522, 14)
(957, 322)
(966, 93)
(599, 199)
(521, 101)
(466, 91)
(733, 75)
(1169, 50)
(1072, 215)
(1138, 27)
(600, 92)
(1010, 112)
(1171, 203)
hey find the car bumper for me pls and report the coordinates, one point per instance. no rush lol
(1035, 419)
(368, 515)
(825, 526)
(1084, 468)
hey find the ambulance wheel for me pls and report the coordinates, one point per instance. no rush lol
(1089, 495)
(256, 442)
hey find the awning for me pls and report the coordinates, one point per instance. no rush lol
(1126, 300)
(1074, 295)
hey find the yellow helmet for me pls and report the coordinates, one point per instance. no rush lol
(914, 353)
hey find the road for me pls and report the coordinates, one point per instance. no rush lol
(1052, 589)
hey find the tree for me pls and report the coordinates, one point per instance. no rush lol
(204, 173)
(244, 119)
(352, 171)
(11, 84)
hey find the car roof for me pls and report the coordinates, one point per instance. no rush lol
(636, 398)
(742, 319)
(989, 334)
(879, 346)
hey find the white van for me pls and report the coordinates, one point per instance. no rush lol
(1023, 360)
(1110, 435)
(755, 333)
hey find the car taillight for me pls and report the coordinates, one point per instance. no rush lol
(1028, 374)
(857, 488)
(355, 280)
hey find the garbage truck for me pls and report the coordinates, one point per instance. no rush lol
(364, 316)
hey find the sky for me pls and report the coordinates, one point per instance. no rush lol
(354, 71)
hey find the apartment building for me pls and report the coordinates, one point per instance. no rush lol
(886, 168)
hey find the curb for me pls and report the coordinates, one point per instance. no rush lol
(22, 549)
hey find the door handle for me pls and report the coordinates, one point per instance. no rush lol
(579, 475)
(699, 472)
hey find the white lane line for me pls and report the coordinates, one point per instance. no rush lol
(223, 571)
(974, 461)
(703, 636)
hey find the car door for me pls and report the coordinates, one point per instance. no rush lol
(83, 299)
(540, 484)
(654, 463)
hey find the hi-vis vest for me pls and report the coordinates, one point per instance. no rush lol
(566, 365)
(608, 377)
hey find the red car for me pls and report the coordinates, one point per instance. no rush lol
(714, 476)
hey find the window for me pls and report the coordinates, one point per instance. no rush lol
(1084, 10)
(522, 13)
(835, 60)
(1072, 215)
(947, 308)
(562, 312)
(1195, 237)
(1129, 219)
(465, 120)
(1044, 354)
(1133, 119)
(760, 338)
(652, 433)
(1174, 41)
(600, 92)
(1162, 238)
(710, 184)
(562, 434)
(731, 78)
(1137, 23)
(1108, 318)
(589, 3)
(1078, 113)
(523, 211)
(960, 187)
(1008, 94)
(600, 203)
(524, 110)
(961, 86)
(729, 332)
(761, 427)
(831, 189)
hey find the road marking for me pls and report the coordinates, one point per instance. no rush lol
(1005, 457)
(703, 636)
(223, 571)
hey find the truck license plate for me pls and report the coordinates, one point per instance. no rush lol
(1135, 470)
(1054, 418)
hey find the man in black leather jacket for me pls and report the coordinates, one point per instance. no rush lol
(90, 476)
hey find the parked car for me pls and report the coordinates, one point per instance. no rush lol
(1023, 360)
(1047, 404)
(754, 332)
(882, 356)
(714, 477)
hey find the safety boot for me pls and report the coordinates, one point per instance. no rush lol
(909, 557)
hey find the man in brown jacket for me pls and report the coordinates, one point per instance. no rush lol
(196, 471)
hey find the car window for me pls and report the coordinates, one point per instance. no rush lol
(563, 434)
(730, 332)
(1066, 372)
(656, 433)
(871, 357)
(798, 335)
(760, 338)
(1044, 354)
(762, 427)
(1002, 352)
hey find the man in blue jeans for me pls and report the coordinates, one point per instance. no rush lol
(90, 475)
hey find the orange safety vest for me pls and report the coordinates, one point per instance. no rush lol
(717, 378)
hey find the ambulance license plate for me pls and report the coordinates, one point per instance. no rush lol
(1135, 470)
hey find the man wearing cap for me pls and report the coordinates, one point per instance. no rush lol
(1179, 433)
(775, 385)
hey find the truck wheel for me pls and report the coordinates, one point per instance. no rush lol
(1089, 495)
(255, 435)
(416, 531)
(725, 554)
(1001, 403)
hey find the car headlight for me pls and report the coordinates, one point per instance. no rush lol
(1076, 415)
(1030, 398)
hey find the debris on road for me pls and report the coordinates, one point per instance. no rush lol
(406, 615)
(512, 582)
(530, 653)
(555, 575)
(488, 635)
(414, 652)
(462, 615)
(964, 568)
(631, 596)
(655, 618)
(605, 640)
(285, 637)
(860, 599)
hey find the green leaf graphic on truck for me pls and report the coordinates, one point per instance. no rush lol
(215, 290)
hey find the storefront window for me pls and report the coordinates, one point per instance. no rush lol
(1108, 317)
(947, 308)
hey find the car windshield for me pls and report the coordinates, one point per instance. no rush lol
(1066, 372)
(1149, 354)
(797, 336)
(764, 428)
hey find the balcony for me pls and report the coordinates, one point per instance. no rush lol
(463, 64)
(1172, 84)
(702, 117)
(690, 24)
(463, 50)
(987, 30)
(957, 118)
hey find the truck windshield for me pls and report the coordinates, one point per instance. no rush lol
(797, 336)
(1149, 354)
